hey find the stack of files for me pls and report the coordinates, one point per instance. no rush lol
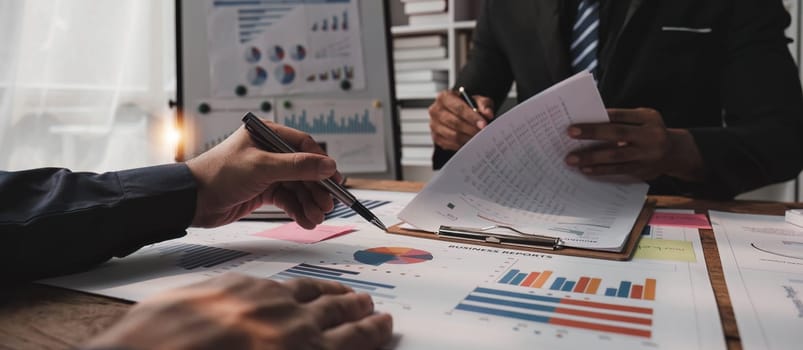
(426, 12)
(416, 139)
(421, 66)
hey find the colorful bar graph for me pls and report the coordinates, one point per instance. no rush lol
(587, 315)
(346, 277)
(584, 284)
(530, 279)
(518, 278)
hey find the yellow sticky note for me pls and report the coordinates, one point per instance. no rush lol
(664, 249)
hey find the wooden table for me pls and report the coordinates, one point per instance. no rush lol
(36, 316)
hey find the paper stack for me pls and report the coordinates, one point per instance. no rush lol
(415, 135)
(421, 66)
(426, 12)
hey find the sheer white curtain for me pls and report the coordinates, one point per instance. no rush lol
(84, 84)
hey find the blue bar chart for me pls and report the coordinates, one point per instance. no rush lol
(352, 130)
(330, 124)
(342, 211)
(346, 277)
(254, 16)
(195, 255)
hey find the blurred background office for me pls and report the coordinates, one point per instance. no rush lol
(85, 84)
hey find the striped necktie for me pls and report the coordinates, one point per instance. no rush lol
(585, 36)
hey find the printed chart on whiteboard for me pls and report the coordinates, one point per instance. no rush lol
(349, 130)
(267, 47)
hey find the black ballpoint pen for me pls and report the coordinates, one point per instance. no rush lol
(270, 140)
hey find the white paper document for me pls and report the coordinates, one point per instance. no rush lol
(266, 48)
(762, 259)
(451, 296)
(513, 173)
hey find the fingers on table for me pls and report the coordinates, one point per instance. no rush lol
(307, 289)
(332, 310)
(368, 333)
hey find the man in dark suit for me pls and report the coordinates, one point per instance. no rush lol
(704, 97)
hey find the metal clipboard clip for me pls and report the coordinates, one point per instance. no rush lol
(481, 235)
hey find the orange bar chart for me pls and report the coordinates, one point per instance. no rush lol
(584, 284)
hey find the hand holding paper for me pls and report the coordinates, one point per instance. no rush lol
(513, 173)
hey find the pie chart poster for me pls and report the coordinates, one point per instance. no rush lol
(392, 255)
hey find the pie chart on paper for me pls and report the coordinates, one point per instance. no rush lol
(392, 255)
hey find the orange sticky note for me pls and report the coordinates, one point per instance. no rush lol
(294, 233)
(680, 220)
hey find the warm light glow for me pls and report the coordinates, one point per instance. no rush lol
(171, 135)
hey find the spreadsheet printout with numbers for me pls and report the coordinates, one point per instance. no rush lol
(513, 173)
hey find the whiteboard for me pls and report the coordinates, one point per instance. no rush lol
(206, 117)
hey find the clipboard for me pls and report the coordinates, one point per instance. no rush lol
(531, 242)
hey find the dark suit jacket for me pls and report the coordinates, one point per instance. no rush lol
(53, 221)
(732, 69)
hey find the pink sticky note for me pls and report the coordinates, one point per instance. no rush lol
(294, 233)
(680, 220)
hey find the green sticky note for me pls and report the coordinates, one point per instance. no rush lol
(664, 249)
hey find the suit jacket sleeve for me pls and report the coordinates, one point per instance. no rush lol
(53, 221)
(486, 73)
(762, 141)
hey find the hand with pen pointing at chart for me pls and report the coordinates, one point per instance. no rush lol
(101, 216)
(238, 176)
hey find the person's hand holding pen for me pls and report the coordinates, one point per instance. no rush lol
(453, 121)
(237, 176)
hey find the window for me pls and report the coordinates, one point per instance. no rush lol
(84, 84)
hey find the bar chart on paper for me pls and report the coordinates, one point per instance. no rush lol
(583, 284)
(346, 277)
(614, 318)
(192, 256)
(342, 211)
(571, 303)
